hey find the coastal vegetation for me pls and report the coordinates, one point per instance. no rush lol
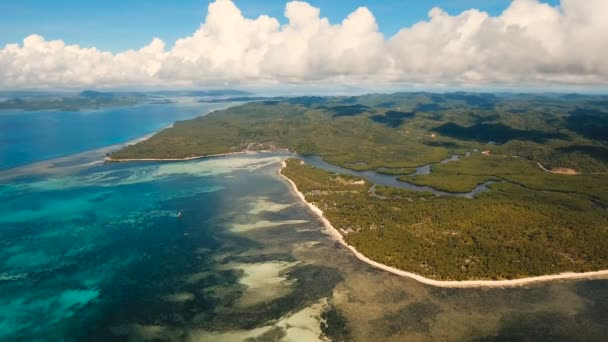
(400, 131)
(463, 175)
(507, 233)
(532, 221)
(395, 133)
(344, 140)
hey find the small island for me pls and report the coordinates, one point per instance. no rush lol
(535, 219)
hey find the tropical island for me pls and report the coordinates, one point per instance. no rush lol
(544, 159)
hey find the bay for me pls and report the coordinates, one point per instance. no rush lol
(32, 136)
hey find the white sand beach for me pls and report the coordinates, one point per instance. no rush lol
(439, 283)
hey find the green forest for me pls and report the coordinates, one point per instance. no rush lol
(509, 232)
(533, 221)
(400, 131)
(465, 174)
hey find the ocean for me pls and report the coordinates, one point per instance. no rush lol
(98, 252)
(31, 136)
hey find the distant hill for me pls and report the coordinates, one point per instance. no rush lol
(88, 99)
(93, 94)
(408, 129)
(201, 93)
(91, 99)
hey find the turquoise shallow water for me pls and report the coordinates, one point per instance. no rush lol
(99, 254)
(73, 246)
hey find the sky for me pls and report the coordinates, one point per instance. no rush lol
(270, 43)
(118, 25)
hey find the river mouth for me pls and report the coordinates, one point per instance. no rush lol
(392, 181)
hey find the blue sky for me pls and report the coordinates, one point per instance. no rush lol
(531, 47)
(116, 25)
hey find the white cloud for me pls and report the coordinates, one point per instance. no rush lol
(530, 43)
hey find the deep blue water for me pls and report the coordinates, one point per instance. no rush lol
(31, 136)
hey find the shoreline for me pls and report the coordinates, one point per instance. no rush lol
(47, 164)
(89, 157)
(127, 160)
(432, 282)
(245, 151)
(150, 135)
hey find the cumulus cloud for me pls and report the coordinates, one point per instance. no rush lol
(530, 43)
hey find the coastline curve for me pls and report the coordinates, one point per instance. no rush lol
(432, 282)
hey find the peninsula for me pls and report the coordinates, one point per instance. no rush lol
(530, 223)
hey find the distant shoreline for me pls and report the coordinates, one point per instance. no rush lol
(109, 159)
(437, 283)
